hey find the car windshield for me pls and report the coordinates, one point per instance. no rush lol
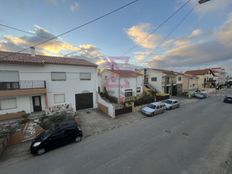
(151, 106)
(168, 101)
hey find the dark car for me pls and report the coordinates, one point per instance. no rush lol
(228, 99)
(63, 133)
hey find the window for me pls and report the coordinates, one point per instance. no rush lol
(58, 76)
(59, 98)
(9, 76)
(138, 89)
(154, 79)
(128, 93)
(9, 103)
(85, 76)
(179, 78)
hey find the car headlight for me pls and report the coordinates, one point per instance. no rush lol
(36, 144)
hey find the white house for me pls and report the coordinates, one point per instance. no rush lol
(220, 75)
(122, 84)
(163, 81)
(33, 83)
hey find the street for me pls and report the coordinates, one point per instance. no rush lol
(194, 139)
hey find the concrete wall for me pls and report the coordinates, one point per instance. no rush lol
(73, 85)
(110, 107)
(157, 84)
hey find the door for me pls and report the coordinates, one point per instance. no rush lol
(56, 139)
(84, 101)
(36, 100)
(69, 135)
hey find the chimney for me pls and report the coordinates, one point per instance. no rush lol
(32, 51)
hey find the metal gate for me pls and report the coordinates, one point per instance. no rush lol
(84, 101)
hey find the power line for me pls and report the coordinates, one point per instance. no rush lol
(157, 28)
(18, 29)
(75, 28)
(173, 30)
(162, 23)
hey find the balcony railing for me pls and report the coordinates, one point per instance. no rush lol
(24, 84)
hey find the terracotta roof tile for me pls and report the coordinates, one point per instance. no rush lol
(23, 58)
(199, 72)
(126, 73)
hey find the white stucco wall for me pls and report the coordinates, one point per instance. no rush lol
(155, 84)
(73, 85)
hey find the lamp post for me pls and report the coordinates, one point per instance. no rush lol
(203, 1)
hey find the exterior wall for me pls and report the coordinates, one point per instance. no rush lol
(189, 84)
(73, 85)
(23, 103)
(116, 85)
(155, 84)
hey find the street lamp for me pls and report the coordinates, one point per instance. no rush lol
(203, 1)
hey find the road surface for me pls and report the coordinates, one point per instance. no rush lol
(196, 138)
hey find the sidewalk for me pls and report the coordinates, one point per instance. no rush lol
(94, 122)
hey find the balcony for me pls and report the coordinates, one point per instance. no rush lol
(21, 88)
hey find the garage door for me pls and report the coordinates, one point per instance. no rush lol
(84, 101)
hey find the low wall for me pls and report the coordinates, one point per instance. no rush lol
(4, 141)
(106, 107)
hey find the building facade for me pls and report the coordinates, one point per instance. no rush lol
(122, 84)
(34, 83)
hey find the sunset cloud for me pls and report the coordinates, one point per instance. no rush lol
(140, 36)
(55, 47)
(217, 49)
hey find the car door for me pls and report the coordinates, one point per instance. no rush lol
(158, 109)
(70, 135)
(174, 104)
(56, 139)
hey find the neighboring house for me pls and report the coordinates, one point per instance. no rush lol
(220, 75)
(206, 77)
(122, 84)
(160, 80)
(34, 83)
(186, 83)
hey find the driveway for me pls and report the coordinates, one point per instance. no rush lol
(195, 139)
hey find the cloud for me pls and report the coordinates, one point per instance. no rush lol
(56, 47)
(188, 52)
(140, 36)
(196, 32)
(140, 56)
(74, 6)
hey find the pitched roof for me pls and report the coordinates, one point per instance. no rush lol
(126, 73)
(168, 72)
(199, 72)
(23, 58)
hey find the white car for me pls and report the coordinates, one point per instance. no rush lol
(171, 104)
(153, 109)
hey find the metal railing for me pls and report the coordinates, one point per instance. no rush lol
(23, 84)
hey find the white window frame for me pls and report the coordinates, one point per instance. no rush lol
(85, 78)
(59, 79)
(138, 89)
(12, 107)
(128, 91)
(59, 102)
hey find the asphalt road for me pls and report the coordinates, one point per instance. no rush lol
(196, 138)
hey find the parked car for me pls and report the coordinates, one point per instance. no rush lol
(200, 95)
(153, 109)
(228, 99)
(171, 104)
(63, 133)
(202, 91)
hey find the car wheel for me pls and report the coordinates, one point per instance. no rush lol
(41, 151)
(77, 139)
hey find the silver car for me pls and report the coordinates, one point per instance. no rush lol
(153, 109)
(171, 104)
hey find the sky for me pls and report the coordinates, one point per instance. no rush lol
(202, 39)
